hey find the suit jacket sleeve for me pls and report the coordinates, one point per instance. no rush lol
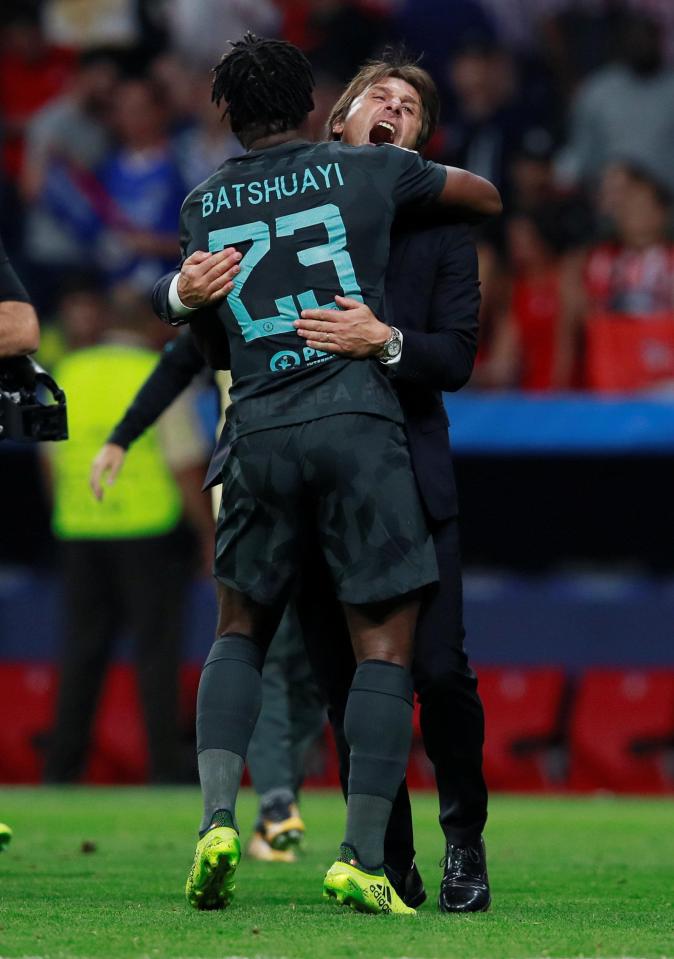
(205, 325)
(160, 293)
(442, 357)
(179, 363)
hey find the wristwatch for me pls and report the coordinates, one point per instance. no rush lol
(392, 347)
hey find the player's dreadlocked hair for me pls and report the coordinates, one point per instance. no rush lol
(266, 86)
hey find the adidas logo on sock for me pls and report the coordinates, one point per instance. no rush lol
(382, 893)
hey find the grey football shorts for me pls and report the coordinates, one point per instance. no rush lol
(343, 481)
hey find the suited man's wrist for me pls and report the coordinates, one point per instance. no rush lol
(177, 309)
(390, 352)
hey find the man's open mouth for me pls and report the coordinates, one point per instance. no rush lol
(382, 132)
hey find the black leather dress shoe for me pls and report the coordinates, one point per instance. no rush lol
(465, 883)
(409, 885)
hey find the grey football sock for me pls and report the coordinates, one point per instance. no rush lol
(220, 774)
(228, 704)
(366, 821)
(378, 729)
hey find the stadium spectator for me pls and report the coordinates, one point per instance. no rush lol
(142, 190)
(619, 297)
(79, 319)
(624, 111)
(438, 30)
(65, 141)
(662, 13)
(179, 83)
(517, 23)
(336, 35)
(124, 561)
(523, 342)
(32, 72)
(200, 29)
(531, 171)
(207, 141)
(633, 272)
(492, 113)
(578, 37)
(81, 26)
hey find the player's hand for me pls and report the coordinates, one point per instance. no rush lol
(110, 460)
(205, 278)
(353, 330)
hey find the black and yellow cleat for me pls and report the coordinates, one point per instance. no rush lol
(349, 885)
(210, 884)
(281, 824)
(258, 848)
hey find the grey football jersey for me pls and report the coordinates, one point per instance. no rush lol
(312, 220)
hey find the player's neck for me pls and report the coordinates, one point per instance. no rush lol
(273, 139)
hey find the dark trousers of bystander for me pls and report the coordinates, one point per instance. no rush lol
(292, 714)
(112, 586)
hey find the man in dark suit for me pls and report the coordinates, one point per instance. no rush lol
(432, 296)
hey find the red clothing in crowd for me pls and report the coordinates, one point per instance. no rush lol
(620, 279)
(535, 312)
(25, 86)
(630, 320)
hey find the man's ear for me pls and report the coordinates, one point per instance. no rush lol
(337, 128)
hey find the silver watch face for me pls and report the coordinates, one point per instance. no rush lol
(393, 348)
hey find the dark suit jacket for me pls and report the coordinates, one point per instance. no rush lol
(432, 295)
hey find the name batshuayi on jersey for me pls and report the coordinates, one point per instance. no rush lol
(312, 220)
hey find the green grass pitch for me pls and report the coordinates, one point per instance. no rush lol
(570, 877)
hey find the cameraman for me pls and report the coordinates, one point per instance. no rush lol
(19, 329)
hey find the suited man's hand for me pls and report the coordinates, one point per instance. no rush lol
(205, 278)
(352, 330)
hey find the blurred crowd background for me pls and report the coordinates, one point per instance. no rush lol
(565, 104)
(568, 107)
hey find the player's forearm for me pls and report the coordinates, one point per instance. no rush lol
(19, 329)
(470, 193)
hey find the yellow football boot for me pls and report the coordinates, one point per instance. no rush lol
(350, 885)
(210, 884)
